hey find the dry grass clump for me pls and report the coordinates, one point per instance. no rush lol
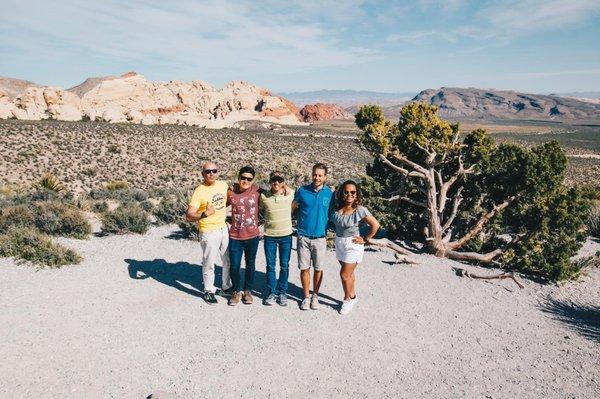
(593, 222)
(117, 185)
(29, 244)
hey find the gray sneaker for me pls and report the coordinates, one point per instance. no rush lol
(270, 300)
(282, 300)
(305, 305)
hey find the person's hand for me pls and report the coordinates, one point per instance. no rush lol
(358, 240)
(209, 210)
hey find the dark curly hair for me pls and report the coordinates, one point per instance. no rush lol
(339, 195)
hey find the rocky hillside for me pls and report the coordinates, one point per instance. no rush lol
(496, 104)
(323, 112)
(12, 87)
(131, 98)
(89, 84)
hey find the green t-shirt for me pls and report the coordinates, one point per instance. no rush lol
(277, 210)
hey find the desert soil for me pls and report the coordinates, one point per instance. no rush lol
(129, 322)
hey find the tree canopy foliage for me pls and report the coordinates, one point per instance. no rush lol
(472, 199)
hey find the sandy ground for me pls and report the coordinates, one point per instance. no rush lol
(129, 321)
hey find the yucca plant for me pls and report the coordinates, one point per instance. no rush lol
(49, 182)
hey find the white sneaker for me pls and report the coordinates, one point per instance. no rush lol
(314, 302)
(305, 304)
(348, 305)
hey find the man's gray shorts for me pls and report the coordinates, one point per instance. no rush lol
(311, 250)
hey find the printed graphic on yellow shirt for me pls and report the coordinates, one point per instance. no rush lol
(218, 201)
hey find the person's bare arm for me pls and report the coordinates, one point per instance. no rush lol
(192, 214)
(373, 224)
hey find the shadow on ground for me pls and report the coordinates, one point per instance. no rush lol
(187, 277)
(584, 319)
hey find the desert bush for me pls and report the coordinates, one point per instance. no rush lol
(127, 218)
(100, 207)
(473, 200)
(189, 229)
(590, 192)
(29, 244)
(593, 221)
(147, 206)
(171, 208)
(60, 219)
(16, 216)
(117, 185)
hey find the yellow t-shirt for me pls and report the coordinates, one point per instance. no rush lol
(216, 195)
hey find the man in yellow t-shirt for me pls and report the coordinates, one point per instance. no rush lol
(207, 207)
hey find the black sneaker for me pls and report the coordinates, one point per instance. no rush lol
(210, 298)
(225, 293)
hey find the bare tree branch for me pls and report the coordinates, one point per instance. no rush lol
(455, 204)
(474, 256)
(400, 169)
(412, 164)
(465, 273)
(480, 224)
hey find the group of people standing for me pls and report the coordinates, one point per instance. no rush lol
(315, 205)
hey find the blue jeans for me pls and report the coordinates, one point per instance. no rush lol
(285, 248)
(236, 249)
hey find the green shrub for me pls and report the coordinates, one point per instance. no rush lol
(128, 218)
(59, 219)
(16, 216)
(117, 185)
(100, 207)
(171, 209)
(147, 206)
(29, 244)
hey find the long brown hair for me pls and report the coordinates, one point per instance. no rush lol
(339, 195)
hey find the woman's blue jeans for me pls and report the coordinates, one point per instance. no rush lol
(284, 244)
(248, 248)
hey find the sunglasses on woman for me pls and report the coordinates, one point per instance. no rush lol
(246, 178)
(276, 179)
(349, 192)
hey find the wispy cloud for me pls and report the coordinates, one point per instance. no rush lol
(235, 36)
(525, 16)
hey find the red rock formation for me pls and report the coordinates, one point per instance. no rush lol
(292, 107)
(323, 112)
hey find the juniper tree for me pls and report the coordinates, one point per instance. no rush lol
(472, 199)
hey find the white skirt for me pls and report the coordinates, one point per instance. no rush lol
(348, 251)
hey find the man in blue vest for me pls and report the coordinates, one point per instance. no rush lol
(312, 203)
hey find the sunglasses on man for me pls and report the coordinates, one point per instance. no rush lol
(210, 171)
(246, 178)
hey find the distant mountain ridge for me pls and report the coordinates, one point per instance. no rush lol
(13, 87)
(500, 104)
(347, 98)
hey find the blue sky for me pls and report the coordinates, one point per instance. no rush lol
(527, 45)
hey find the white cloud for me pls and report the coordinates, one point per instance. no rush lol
(196, 35)
(526, 16)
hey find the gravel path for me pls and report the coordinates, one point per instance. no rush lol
(129, 321)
